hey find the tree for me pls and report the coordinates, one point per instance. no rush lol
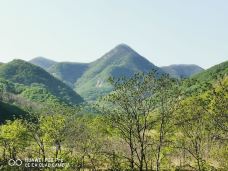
(53, 127)
(13, 138)
(218, 97)
(131, 107)
(193, 122)
(33, 123)
(128, 111)
(47, 126)
(219, 104)
(166, 96)
(86, 138)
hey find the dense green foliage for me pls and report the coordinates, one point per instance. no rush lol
(29, 88)
(145, 123)
(212, 73)
(153, 125)
(182, 71)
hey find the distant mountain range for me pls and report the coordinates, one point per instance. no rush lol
(68, 72)
(90, 79)
(42, 62)
(61, 80)
(41, 81)
(182, 70)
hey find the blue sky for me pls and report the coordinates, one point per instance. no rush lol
(165, 31)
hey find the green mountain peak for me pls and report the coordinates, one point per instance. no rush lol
(120, 61)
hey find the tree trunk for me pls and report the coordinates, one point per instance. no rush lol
(14, 153)
(43, 152)
(57, 148)
(132, 152)
(158, 161)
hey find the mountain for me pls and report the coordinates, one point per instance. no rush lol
(42, 62)
(90, 79)
(182, 70)
(199, 83)
(37, 83)
(68, 72)
(120, 61)
(213, 72)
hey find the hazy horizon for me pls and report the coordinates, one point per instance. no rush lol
(100, 57)
(164, 32)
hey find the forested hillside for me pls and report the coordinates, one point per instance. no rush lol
(120, 61)
(36, 83)
(213, 72)
(146, 123)
(89, 79)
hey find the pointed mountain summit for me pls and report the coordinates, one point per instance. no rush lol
(42, 62)
(118, 62)
(32, 76)
(123, 55)
(119, 51)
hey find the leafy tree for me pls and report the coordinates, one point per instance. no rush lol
(85, 139)
(193, 121)
(219, 104)
(166, 97)
(13, 138)
(219, 115)
(130, 110)
(53, 127)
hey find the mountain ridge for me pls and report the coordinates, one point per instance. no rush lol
(213, 72)
(120, 61)
(35, 77)
(68, 72)
(182, 70)
(42, 62)
(90, 79)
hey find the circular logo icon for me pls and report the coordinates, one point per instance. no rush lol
(16, 162)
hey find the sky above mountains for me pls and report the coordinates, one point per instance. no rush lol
(166, 32)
